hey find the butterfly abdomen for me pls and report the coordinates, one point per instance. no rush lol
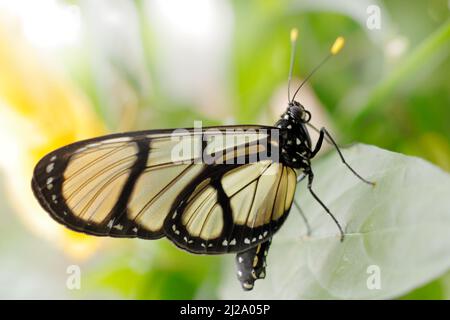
(251, 264)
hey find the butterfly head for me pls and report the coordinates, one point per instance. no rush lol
(297, 112)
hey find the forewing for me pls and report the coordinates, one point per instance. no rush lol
(126, 185)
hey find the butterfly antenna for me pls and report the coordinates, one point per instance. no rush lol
(294, 36)
(335, 48)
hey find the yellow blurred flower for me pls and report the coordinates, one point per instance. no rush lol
(39, 111)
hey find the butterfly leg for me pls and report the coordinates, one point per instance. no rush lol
(323, 133)
(310, 181)
(251, 264)
(302, 214)
(300, 178)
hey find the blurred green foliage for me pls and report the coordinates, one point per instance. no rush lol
(401, 104)
(166, 273)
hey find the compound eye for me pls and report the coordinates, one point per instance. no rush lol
(306, 116)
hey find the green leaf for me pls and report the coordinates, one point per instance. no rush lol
(402, 226)
(438, 289)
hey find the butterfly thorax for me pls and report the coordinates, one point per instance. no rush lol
(295, 142)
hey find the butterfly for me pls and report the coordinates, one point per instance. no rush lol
(214, 190)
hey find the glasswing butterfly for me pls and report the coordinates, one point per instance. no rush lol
(133, 184)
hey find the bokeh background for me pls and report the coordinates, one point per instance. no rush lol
(75, 69)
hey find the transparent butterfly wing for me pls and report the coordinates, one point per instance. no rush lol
(139, 185)
(232, 208)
